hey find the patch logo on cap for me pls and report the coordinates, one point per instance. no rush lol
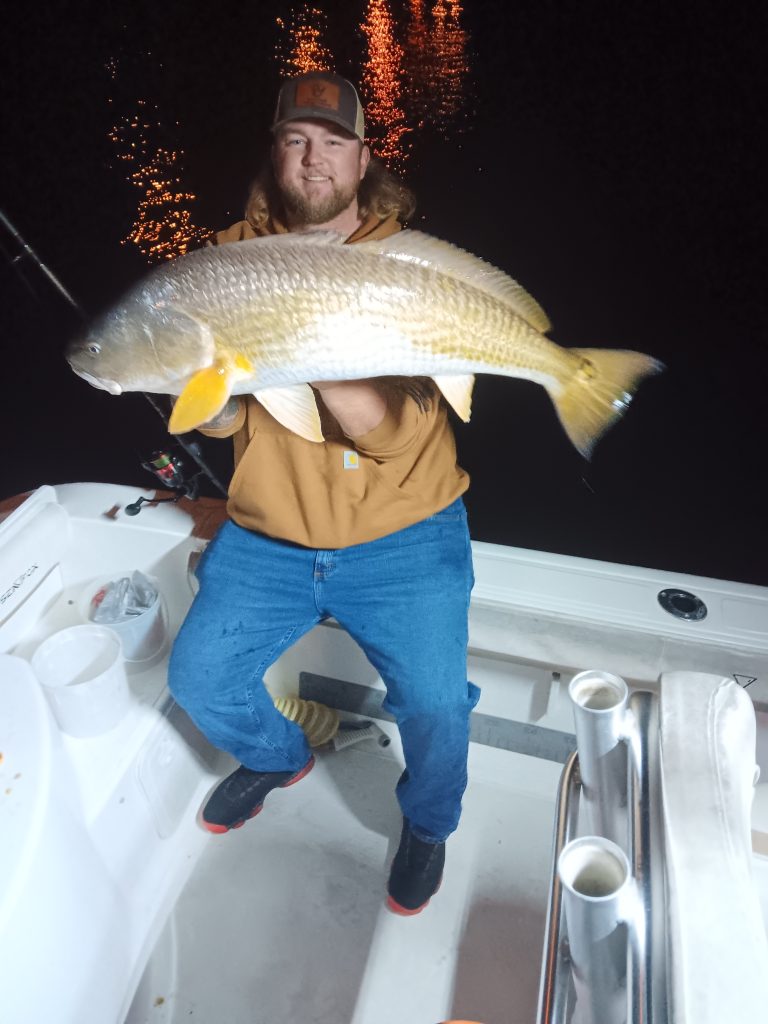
(317, 93)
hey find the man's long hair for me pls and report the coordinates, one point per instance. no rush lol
(380, 193)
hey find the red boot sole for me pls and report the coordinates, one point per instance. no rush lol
(395, 907)
(219, 830)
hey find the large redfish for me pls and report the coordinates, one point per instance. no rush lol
(265, 316)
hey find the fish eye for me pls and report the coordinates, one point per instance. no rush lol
(93, 348)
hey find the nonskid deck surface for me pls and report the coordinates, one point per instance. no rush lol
(283, 921)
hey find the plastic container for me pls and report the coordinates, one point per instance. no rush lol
(143, 636)
(82, 673)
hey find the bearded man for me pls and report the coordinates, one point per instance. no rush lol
(368, 528)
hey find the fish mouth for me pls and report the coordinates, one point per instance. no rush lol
(100, 382)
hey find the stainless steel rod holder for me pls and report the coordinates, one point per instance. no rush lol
(600, 713)
(597, 902)
(614, 783)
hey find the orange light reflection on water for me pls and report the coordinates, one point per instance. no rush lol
(163, 228)
(304, 49)
(382, 80)
(449, 62)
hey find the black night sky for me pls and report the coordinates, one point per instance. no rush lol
(608, 156)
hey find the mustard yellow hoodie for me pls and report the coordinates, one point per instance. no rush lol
(341, 492)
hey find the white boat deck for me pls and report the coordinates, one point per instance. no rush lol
(284, 919)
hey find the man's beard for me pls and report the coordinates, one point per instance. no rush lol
(305, 210)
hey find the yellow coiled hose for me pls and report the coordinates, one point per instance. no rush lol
(320, 723)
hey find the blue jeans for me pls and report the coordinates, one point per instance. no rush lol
(404, 598)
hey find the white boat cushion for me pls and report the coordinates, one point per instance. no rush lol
(717, 939)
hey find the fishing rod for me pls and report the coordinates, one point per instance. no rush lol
(27, 250)
(176, 480)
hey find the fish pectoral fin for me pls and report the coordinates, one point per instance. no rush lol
(207, 392)
(295, 407)
(457, 392)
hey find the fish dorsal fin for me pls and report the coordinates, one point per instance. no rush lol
(295, 407)
(457, 392)
(426, 251)
(207, 391)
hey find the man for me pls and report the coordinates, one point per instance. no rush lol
(367, 527)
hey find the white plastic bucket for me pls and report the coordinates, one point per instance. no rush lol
(82, 673)
(143, 636)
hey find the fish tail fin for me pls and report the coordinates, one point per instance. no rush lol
(599, 392)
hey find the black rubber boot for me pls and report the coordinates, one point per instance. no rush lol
(416, 873)
(241, 796)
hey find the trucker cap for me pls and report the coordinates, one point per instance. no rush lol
(321, 95)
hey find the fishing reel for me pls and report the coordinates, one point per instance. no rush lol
(171, 471)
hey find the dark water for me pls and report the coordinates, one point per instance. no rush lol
(604, 155)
